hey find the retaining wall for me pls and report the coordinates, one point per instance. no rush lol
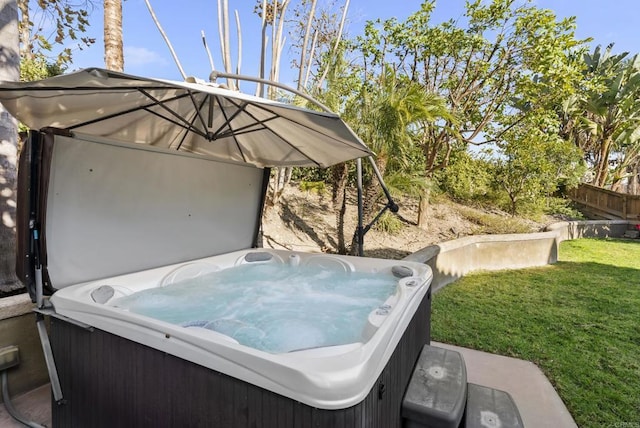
(451, 260)
(18, 327)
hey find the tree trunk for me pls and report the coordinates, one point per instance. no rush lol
(339, 176)
(113, 51)
(370, 197)
(616, 185)
(278, 185)
(305, 44)
(423, 208)
(602, 169)
(26, 46)
(372, 191)
(634, 180)
(10, 71)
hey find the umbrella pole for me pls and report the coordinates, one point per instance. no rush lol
(258, 237)
(391, 205)
(360, 231)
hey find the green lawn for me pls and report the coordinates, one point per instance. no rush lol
(578, 320)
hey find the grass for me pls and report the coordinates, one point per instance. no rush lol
(578, 320)
(488, 223)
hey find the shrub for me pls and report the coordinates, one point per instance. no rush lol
(389, 223)
(318, 187)
(466, 178)
(562, 207)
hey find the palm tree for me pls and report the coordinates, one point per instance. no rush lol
(113, 52)
(611, 111)
(341, 85)
(390, 114)
(9, 70)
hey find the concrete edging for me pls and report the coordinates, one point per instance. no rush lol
(14, 306)
(18, 328)
(451, 260)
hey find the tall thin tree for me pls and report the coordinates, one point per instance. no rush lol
(113, 50)
(9, 71)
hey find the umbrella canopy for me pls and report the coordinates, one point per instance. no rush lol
(198, 118)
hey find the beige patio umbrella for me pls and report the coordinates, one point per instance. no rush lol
(200, 118)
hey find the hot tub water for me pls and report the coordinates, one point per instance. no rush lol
(272, 307)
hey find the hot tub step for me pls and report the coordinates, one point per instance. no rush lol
(437, 390)
(488, 408)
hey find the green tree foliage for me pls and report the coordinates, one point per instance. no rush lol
(38, 67)
(69, 20)
(532, 161)
(467, 178)
(477, 63)
(501, 60)
(606, 116)
(389, 112)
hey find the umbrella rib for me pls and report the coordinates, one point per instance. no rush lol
(186, 130)
(187, 127)
(161, 104)
(210, 117)
(227, 120)
(198, 112)
(294, 147)
(246, 129)
(278, 135)
(306, 126)
(121, 113)
(243, 129)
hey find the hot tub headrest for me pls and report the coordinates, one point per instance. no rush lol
(402, 271)
(102, 294)
(258, 256)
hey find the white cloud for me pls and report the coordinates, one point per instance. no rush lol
(137, 56)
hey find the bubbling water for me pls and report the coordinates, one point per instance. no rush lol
(271, 307)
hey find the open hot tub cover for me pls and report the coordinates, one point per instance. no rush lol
(198, 118)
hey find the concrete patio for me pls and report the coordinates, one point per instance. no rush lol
(538, 402)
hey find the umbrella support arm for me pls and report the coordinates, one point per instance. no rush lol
(215, 75)
(390, 205)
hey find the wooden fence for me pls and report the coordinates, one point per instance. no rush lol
(603, 203)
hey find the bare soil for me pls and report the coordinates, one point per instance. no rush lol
(305, 221)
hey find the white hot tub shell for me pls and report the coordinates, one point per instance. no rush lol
(334, 377)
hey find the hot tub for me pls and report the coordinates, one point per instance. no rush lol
(323, 375)
(101, 220)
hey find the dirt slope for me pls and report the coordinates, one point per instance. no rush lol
(304, 221)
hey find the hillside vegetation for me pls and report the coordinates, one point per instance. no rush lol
(304, 221)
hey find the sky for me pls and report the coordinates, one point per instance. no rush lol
(146, 53)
